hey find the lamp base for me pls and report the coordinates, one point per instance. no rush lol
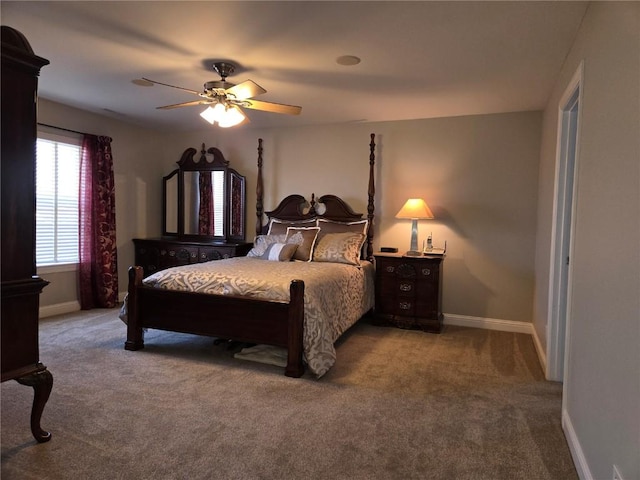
(413, 253)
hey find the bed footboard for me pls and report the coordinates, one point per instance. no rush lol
(238, 318)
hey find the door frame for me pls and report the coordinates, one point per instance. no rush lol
(559, 306)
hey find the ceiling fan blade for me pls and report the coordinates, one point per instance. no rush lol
(185, 104)
(246, 89)
(172, 86)
(271, 107)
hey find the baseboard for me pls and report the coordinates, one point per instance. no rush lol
(59, 309)
(449, 319)
(579, 460)
(542, 355)
(488, 323)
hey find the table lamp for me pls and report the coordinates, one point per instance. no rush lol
(415, 209)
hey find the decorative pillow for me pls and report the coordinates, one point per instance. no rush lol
(262, 242)
(331, 226)
(309, 235)
(279, 227)
(279, 252)
(339, 248)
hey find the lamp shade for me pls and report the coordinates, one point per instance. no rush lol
(415, 208)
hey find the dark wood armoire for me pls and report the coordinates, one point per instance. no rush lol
(20, 286)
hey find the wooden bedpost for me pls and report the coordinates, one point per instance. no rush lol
(259, 191)
(372, 193)
(295, 366)
(135, 340)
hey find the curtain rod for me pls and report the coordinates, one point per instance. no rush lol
(64, 129)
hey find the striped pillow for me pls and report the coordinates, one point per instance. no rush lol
(279, 252)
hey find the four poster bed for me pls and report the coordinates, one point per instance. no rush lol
(303, 305)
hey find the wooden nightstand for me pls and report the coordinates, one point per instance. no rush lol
(409, 291)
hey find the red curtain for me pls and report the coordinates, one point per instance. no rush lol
(98, 255)
(205, 212)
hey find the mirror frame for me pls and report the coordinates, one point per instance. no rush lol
(234, 200)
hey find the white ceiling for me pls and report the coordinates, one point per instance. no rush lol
(419, 59)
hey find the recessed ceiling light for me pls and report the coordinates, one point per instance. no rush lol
(141, 82)
(347, 60)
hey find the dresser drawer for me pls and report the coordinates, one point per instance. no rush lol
(154, 254)
(209, 254)
(174, 255)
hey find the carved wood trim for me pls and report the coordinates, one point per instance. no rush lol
(188, 163)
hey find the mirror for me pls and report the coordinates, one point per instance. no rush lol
(204, 198)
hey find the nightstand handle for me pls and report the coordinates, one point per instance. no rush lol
(390, 269)
(426, 272)
(406, 287)
(405, 305)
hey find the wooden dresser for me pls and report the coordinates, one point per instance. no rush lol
(21, 286)
(154, 254)
(409, 291)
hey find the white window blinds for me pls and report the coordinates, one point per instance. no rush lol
(57, 185)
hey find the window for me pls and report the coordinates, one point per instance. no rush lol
(57, 185)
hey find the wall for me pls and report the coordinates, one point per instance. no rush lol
(477, 173)
(601, 411)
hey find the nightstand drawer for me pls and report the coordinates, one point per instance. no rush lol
(386, 267)
(405, 288)
(428, 272)
(405, 307)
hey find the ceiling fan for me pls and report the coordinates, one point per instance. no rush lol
(225, 98)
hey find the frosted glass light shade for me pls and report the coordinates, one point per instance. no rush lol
(226, 116)
(232, 117)
(213, 114)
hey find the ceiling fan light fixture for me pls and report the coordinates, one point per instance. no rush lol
(226, 115)
(224, 100)
(233, 116)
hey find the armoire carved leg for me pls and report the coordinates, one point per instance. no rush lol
(42, 382)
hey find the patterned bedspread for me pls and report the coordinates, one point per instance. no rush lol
(336, 295)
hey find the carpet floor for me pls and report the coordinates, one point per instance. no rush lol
(398, 404)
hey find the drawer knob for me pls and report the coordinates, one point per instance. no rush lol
(426, 272)
(406, 287)
(405, 305)
(390, 269)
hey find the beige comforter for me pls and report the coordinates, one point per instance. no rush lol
(336, 295)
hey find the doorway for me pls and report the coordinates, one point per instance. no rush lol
(562, 229)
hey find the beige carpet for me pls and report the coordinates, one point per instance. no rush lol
(466, 404)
